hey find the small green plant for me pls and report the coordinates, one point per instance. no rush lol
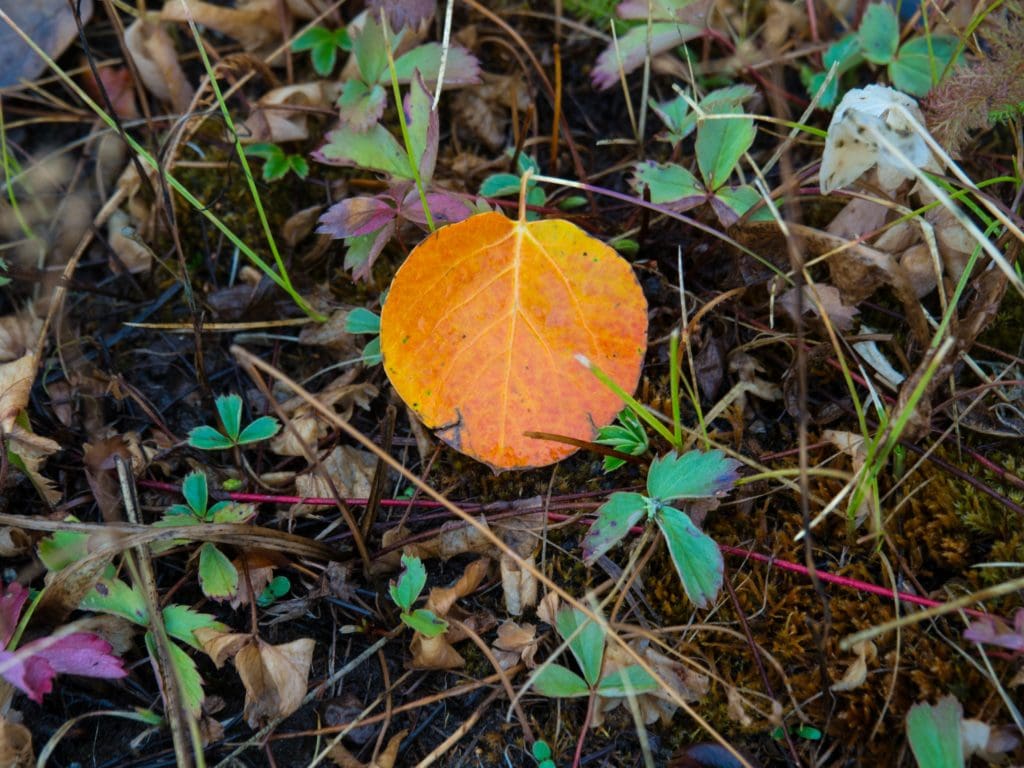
(586, 640)
(801, 731)
(114, 596)
(913, 67)
(542, 754)
(229, 408)
(323, 46)
(508, 185)
(362, 320)
(274, 591)
(697, 477)
(218, 577)
(720, 143)
(406, 591)
(277, 164)
(627, 436)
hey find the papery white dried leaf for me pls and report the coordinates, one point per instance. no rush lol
(852, 146)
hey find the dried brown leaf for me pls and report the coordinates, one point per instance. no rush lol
(515, 642)
(857, 672)
(15, 745)
(434, 653)
(518, 584)
(19, 333)
(255, 24)
(158, 64)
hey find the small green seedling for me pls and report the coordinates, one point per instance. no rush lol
(277, 164)
(361, 320)
(542, 754)
(407, 590)
(934, 733)
(218, 577)
(323, 46)
(720, 143)
(913, 67)
(229, 408)
(801, 731)
(507, 185)
(274, 591)
(695, 477)
(628, 436)
(586, 640)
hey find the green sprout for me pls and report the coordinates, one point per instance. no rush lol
(229, 408)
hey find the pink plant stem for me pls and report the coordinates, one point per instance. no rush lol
(785, 565)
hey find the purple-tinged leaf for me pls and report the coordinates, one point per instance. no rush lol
(363, 250)
(11, 602)
(686, 11)
(633, 49)
(32, 667)
(422, 122)
(402, 13)
(356, 216)
(462, 67)
(993, 631)
(372, 150)
(614, 519)
(361, 105)
(694, 475)
(695, 555)
(446, 207)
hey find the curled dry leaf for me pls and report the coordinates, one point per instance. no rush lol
(281, 115)
(255, 24)
(515, 642)
(658, 704)
(518, 584)
(16, 379)
(348, 469)
(487, 109)
(827, 296)
(857, 672)
(15, 745)
(438, 652)
(129, 254)
(19, 333)
(345, 759)
(274, 676)
(157, 63)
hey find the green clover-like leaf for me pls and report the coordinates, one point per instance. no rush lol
(614, 519)
(586, 641)
(697, 559)
(427, 623)
(263, 428)
(206, 438)
(558, 682)
(693, 475)
(229, 408)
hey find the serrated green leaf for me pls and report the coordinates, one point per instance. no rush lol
(557, 682)
(914, 66)
(263, 428)
(196, 492)
(934, 733)
(614, 519)
(230, 512)
(180, 622)
(721, 143)
(500, 185)
(427, 623)
(188, 676)
(668, 184)
(372, 150)
(229, 408)
(362, 320)
(693, 475)
(218, 577)
(879, 33)
(206, 438)
(628, 681)
(311, 38)
(63, 548)
(370, 50)
(627, 436)
(410, 583)
(695, 555)
(586, 644)
(263, 150)
(275, 168)
(114, 596)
